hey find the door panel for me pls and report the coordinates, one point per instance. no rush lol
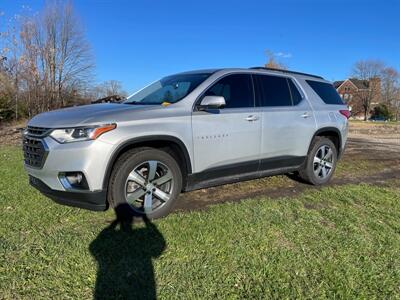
(226, 138)
(286, 128)
(286, 131)
(229, 137)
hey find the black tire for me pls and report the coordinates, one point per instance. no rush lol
(125, 164)
(307, 172)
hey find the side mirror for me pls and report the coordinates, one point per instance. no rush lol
(210, 102)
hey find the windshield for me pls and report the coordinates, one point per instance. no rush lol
(170, 89)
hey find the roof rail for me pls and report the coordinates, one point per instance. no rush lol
(286, 71)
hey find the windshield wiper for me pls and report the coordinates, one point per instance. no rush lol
(134, 103)
(142, 103)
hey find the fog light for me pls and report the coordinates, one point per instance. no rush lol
(74, 178)
(73, 181)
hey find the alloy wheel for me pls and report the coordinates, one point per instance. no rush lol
(323, 162)
(149, 186)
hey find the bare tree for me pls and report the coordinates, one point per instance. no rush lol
(113, 87)
(273, 62)
(391, 89)
(368, 71)
(10, 61)
(45, 60)
(57, 56)
(67, 53)
(109, 88)
(396, 105)
(33, 66)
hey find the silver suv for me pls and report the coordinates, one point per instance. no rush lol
(184, 132)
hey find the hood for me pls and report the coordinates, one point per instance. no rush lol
(87, 115)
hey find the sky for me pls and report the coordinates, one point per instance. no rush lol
(139, 41)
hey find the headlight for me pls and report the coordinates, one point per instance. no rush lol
(68, 135)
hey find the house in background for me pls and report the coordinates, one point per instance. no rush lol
(352, 89)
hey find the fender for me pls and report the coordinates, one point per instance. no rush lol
(144, 139)
(320, 131)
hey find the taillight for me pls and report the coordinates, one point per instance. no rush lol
(345, 112)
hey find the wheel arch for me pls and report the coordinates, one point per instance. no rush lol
(178, 150)
(333, 134)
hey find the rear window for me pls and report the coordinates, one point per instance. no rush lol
(326, 92)
(273, 90)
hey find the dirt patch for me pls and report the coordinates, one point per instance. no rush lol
(290, 187)
(10, 133)
(374, 140)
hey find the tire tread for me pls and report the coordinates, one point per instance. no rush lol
(114, 182)
(307, 173)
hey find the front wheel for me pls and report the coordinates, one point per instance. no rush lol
(145, 182)
(321, 162)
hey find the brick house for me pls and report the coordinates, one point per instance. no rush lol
(352, 89)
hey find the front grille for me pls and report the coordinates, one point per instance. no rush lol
(37, 131)
(34, 152)
(34, 147)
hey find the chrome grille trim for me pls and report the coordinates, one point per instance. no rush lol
(37, 131)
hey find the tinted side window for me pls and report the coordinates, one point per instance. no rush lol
(326, 92)
(273, 91)
(296, 96)
(237, 89)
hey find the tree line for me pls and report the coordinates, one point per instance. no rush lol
(46, 63)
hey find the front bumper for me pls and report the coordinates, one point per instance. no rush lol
(96, 201)
(90, 158)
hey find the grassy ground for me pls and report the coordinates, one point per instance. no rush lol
(341, 242)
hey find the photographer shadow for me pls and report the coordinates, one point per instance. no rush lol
(124, 256)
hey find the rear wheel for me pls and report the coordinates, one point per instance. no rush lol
(145, 181)
(321, 162)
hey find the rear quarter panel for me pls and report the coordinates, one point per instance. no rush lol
(326, 115)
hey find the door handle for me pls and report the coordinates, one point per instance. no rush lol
(251, 118)
(305, 115)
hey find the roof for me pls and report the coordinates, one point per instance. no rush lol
(286, 71)
(211, 71)
(338, 83)
(203, 71)
(359, 84)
